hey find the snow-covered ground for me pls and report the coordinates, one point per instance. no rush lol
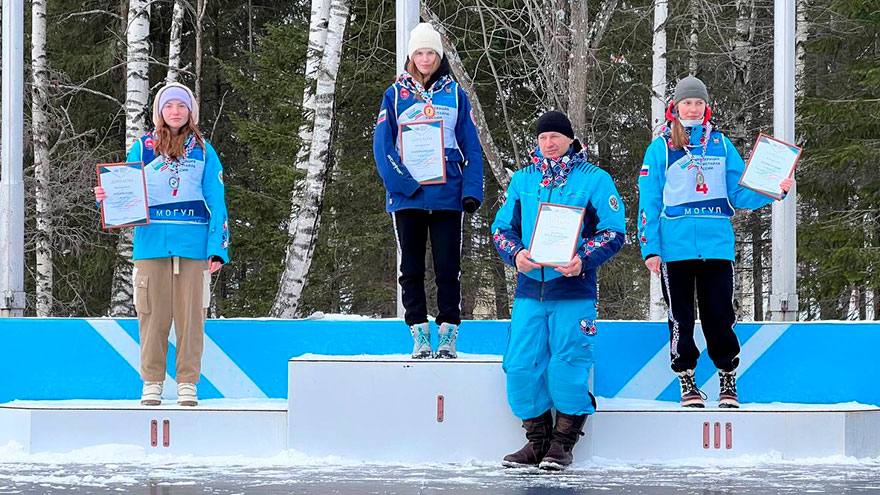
(122, 469)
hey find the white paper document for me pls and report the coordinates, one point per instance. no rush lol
(771, 161)
(422, 152)
(126, 201)
(556, 233)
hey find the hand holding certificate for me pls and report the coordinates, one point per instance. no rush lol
(770, 163)
(556, 233)
(422, 151)
(125, 187)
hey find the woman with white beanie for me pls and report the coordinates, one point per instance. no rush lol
(186, 241)
(688, 189)
(425, 91)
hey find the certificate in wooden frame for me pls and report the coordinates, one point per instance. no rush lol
(139, 165)
(749, 161)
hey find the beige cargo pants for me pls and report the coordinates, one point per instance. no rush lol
(170, 290)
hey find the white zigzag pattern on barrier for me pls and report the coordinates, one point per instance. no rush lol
(655, 376)
(226, 376)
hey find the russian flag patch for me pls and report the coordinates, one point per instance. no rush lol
(644, 171)
(382, 116)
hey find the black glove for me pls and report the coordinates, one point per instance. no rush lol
(470, 205)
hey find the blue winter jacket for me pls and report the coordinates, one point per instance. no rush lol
(464, 155)
(602, 235)
(196, 229)
(684, 215)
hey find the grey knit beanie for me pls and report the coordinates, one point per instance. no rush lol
(690, 87)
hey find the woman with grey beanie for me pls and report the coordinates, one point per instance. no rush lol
(688, 189)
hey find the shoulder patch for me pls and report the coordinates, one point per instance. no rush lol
(383, 115)
(613, 203)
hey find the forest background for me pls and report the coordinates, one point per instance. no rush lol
(289, 99)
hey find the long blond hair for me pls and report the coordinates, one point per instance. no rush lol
(172, 145)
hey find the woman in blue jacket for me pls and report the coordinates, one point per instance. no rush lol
(186, 240)
(688, 189)
(553, 326)
(426, 91)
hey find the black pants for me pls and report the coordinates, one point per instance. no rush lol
(713, 280)
(412, 228)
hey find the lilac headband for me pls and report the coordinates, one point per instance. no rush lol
(175, 93)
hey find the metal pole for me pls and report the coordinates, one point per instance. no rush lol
(12, 299)
(783, 290)
(407, 17)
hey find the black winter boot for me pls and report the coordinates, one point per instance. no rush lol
(538, 433)
(567, 432)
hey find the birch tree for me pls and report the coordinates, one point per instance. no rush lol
(42, 165)
(694, 37)
(136, 105)
(201, 7)
(303, 232)
(174, 42)
(317, 40)
(657, 310)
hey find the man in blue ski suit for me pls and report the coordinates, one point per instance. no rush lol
(553, 326)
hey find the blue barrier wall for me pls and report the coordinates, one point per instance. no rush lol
(55, 358)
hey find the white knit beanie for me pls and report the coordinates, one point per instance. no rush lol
(194, 109)
(424, 36)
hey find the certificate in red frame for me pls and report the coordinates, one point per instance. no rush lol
(435, 122)
(102, 168)
(542, 208)
(767, 137)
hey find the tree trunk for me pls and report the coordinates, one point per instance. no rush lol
(578, 68)
(656, 307)
(303, 232)
(314, 53)
(694, 38)
(137, 96)
(201, 8)
(490, 150)
(802, 30)
(42, 165)
(174, 42)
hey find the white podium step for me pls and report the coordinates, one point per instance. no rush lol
(216, 428)
(392, 408)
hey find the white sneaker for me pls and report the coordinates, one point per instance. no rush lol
(186, 394)
(151, 395)
(446, 347)
(421, 334)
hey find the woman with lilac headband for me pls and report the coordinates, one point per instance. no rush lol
(186, 241)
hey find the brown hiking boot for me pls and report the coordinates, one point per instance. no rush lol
(565, 435)
(538, 433)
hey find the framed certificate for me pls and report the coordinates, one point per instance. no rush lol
(771, 161)
(422, 150)
(126, 187)
(556, 232)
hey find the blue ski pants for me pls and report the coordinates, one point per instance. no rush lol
(549, 356)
